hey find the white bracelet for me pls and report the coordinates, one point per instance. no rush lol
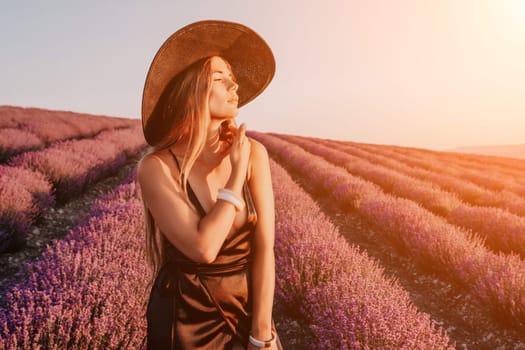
(262, 344)
(231, 197)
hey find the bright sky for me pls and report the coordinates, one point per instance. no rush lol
(423, 73)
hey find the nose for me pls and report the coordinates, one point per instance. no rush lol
(233, 85)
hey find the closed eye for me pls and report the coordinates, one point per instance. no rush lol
(230, 76)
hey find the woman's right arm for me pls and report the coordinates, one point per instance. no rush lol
(199, 241)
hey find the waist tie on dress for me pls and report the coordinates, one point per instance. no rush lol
(208, 269)
(167, 278)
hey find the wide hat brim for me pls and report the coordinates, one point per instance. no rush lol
(250, 57)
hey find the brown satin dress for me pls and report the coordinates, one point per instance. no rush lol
(204, 306)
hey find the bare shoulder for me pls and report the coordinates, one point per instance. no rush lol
(261, 189)
(259, 155)
(257, 145)
(149, 165)
(153, 168)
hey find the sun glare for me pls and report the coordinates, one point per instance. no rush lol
(509, 17)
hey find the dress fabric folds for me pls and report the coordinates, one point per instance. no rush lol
(204, 306)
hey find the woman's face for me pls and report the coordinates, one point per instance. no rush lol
(223, 95)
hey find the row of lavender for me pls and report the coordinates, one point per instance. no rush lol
(502, 230)
(34, 180)
(496, 280)
(341, 293)
(498, 216)
(505, 165)
(86, 291)
(436, 173)
(23, 129)
(77, 289)
(488, 175)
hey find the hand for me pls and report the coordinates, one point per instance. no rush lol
(240, 151)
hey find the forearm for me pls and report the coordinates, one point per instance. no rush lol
(263, 279)
(215, 226)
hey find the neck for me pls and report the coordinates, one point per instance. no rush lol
(214, 150)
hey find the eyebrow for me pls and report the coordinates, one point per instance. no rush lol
(220, 71)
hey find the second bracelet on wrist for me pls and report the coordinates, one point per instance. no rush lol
(262, 343)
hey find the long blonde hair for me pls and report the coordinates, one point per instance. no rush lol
(183, 111)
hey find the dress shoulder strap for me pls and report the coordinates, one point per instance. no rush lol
(252, 214)
(191, 194)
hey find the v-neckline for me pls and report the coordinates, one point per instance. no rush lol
(197, 202)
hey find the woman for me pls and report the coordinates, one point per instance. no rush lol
(207, 193)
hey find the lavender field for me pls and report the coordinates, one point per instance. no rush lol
(377, 247)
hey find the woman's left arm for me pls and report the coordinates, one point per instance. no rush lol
(263, 263)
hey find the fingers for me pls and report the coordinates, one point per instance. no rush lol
(241, 136)
(242, 129)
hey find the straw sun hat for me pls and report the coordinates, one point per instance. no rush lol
(250, 57)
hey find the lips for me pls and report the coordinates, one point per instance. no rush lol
(233, 99)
